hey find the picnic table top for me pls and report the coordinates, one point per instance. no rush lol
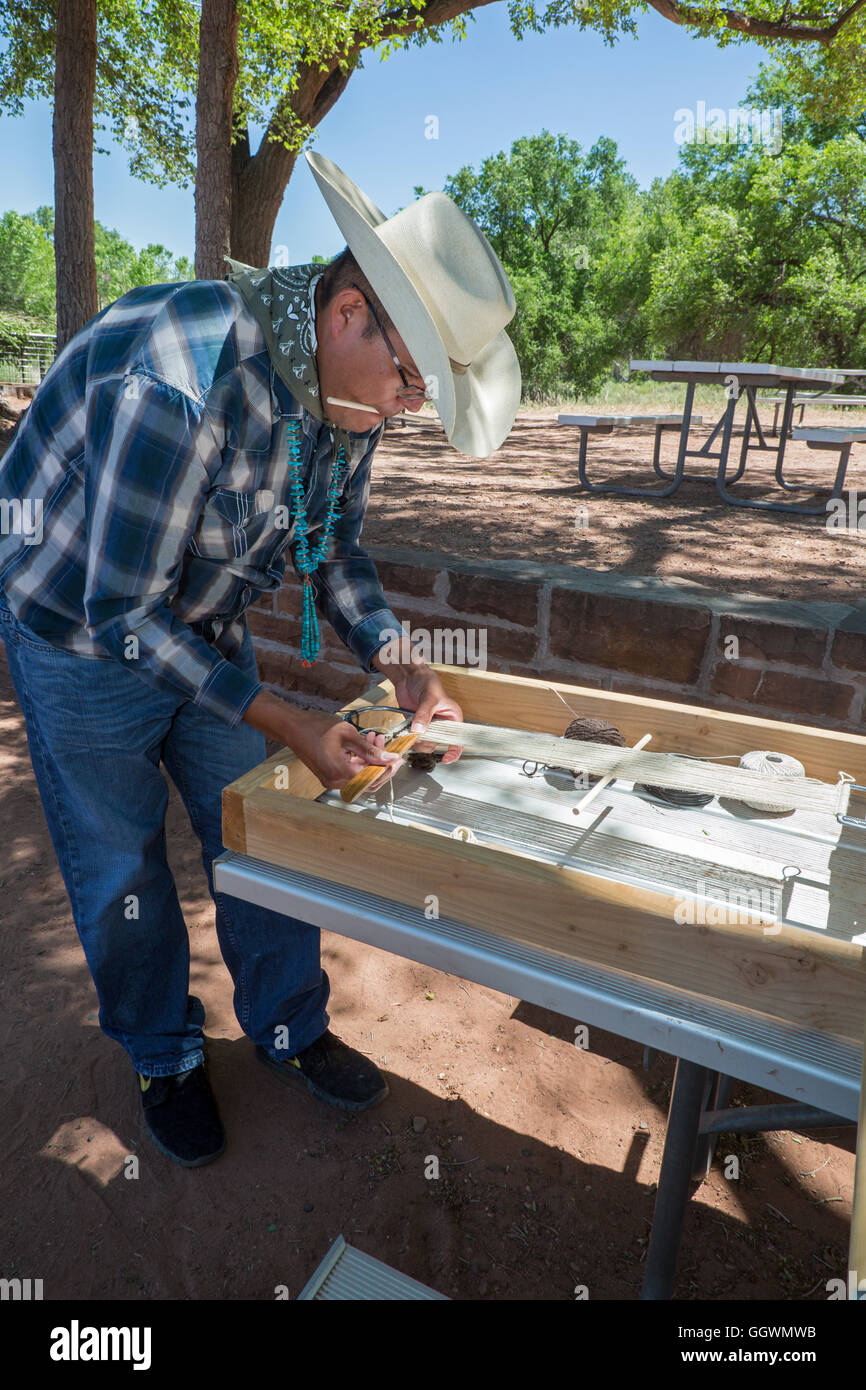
(768, 372)
(611, 420)
(829, 434)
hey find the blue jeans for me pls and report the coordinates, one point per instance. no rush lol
(96, 733)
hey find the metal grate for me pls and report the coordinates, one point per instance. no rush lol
(348, 1275)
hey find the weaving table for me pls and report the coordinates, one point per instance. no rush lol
(612, 918)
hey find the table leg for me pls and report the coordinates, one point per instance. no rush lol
(688, 1099)
(720, 1093)
(857, 1246)
(766, 506)
(787, 421)
(675, 478)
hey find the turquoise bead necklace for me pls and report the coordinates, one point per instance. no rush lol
(306, 562)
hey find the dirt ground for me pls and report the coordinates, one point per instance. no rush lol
(524, 501)
(548, 1154)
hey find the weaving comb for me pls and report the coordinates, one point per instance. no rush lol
(396, 742)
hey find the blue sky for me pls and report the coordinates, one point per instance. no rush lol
(486, 92)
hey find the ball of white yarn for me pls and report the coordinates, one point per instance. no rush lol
(770, 765)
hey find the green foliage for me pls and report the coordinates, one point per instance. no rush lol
(14, 332)
(26, 267)
(27, 274)
(747, 252)
(765, 254)
(145, 76)
(119, 267)
(551, 211)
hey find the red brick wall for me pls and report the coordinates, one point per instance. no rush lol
(681, 642)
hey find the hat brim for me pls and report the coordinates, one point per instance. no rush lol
(477, 407)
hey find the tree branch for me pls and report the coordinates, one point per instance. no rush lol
(741, 23)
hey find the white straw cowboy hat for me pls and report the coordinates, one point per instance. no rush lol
(449, 298)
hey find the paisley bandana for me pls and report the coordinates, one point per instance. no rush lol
(281, 298)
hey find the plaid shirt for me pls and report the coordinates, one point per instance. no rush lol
(158, 444)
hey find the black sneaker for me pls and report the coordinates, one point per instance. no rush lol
(182, 1117)
(334, 1072)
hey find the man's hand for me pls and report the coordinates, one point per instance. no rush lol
(336, 752)
(418, 688)
(331, 748)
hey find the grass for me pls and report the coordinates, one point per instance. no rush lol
(662, 398)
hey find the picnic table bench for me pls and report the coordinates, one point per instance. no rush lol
(800, 403)
(605, 424)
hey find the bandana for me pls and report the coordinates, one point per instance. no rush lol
(282, 301)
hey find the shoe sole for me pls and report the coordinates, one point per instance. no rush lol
(185, 1162)
(296, 1075)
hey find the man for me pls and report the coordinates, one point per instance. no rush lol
(166, 445)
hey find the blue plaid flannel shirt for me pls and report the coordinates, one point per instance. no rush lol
(156, 447)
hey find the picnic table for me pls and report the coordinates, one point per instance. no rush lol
(742, 379)
(820, 397)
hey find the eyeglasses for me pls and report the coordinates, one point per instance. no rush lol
(406, 392)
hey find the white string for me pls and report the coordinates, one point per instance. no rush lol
(565, 702)
(667, 770)
(462, 832)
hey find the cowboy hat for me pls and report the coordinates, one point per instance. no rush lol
(449, 298)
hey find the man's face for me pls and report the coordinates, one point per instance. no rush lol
(360, 369)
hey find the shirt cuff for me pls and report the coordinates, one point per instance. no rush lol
(370, 635)
(227, 693)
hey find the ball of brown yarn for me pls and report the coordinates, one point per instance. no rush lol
(425, 762)
(586, 729)
(591, 730)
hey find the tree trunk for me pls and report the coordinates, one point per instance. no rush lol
(259, 181)
(258, 188)
(217, 74)
(74, 85)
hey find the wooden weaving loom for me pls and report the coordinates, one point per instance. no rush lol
(631, 885)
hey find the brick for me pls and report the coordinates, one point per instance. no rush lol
(505, 644)
(849, 650)
(623, 686)
(512, 599)
(322, 679)
(417, 580)
(283, 630)
(265, 604)
(468, 635)
(277, 668)
(814, 699)
(575, 675)
(664, 641)
(803, 695)
(793, 643)
(338, 683)
(289, 599)
(735, 681)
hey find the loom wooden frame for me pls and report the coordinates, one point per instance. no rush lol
(797, 975)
